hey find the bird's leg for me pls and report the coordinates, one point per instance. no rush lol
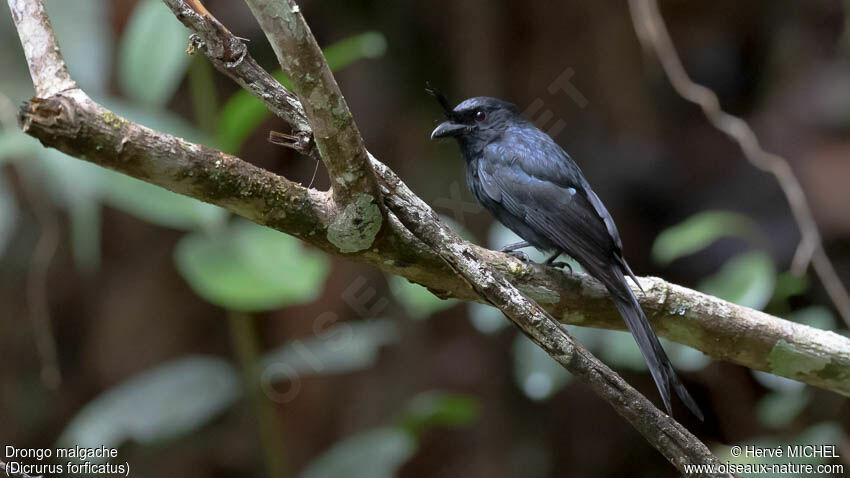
(514, 246)
(511, 249)
(551, 261)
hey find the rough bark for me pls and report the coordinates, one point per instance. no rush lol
(372, 217)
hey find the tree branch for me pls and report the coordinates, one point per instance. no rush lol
(47, 67)
(718, 328)
(230, 56)
(665, 434)
(335, 132)
(70, 121)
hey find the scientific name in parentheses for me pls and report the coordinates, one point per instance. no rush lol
(793, 451)
(38, 469)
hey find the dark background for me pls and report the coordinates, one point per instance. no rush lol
(651, 157)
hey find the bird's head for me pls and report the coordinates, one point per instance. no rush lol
(477, 120)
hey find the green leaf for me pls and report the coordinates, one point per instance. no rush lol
(347, 347)
(438, 408)
(418, 301)
(243, 112)
(536, 373)
(377, 453)
(778, 409)
(746, 279)
(698, 232)
(159, 206)
(162, 403)
(250, 268)
(788, 285)
(152, 58)
(815, 316)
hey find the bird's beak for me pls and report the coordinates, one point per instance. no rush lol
(447, 129)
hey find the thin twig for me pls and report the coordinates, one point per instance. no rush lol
(653, 35)
(73, 123)
(76, 125)
(334, 130)
(37, 276)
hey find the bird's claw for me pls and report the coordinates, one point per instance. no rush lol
(561, 264)
(518, 255)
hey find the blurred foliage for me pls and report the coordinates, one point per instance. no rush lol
(746, 279)
(380, 452)
(243, 112)
(438, 408)
(377, 453)
(162, 403)
(180, 396)
(749, 279)
(250, 268)
(151, 65)
(779, 409)
(238, 265)
(418, 301)
(787, 286)
(698, 232)
(343, 348)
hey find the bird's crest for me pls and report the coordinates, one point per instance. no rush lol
(441, 98)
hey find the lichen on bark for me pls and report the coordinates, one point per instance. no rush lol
(355, 227)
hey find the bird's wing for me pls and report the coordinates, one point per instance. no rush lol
(561, 207)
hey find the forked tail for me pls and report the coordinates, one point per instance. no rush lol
(656, 359)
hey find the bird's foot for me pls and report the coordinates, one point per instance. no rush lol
(560, 265)
(519, 255)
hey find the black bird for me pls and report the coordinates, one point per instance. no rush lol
(535, 188)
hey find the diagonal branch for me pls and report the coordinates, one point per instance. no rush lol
(653, 34)
(663, 432)
(230, 56)
(335, 132)
(416, 245)
(721, 329)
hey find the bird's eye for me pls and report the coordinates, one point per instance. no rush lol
(480, 115)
